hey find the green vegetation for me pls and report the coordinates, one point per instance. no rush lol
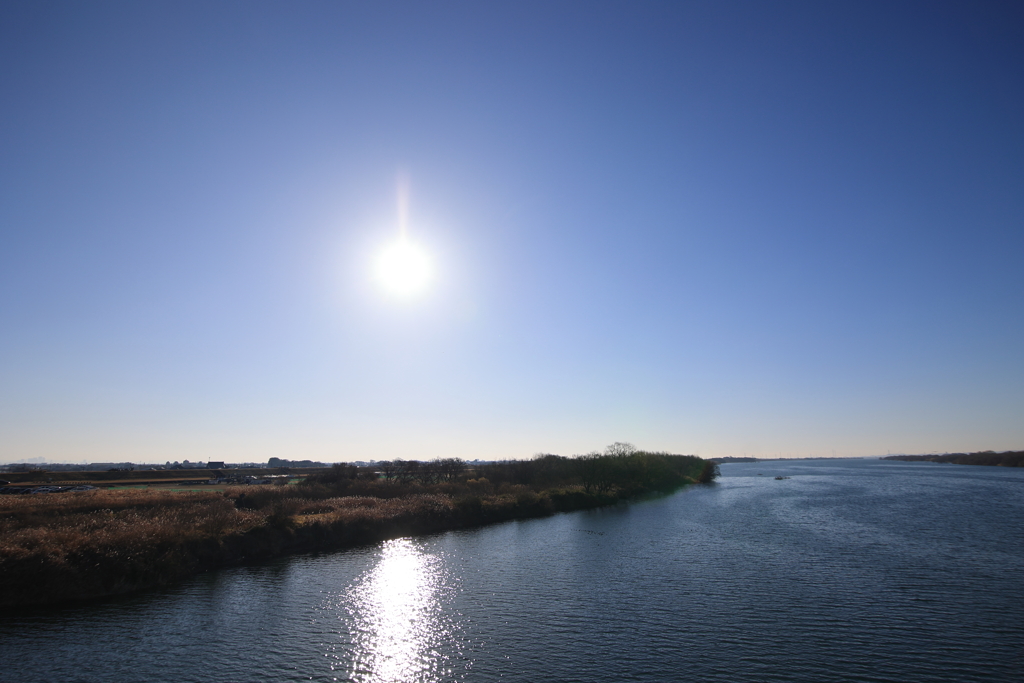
(68, 546)
(1005, 459)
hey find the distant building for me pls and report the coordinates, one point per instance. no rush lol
(215, 465)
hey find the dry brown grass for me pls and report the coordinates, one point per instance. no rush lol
(349, 509)
(56, 526)
(126, 523)
(74, 545)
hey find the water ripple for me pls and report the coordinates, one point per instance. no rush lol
(850, 571)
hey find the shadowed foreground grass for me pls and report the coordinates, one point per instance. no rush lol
(71, 546)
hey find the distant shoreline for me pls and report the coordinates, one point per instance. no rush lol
(728, 459)
(987, 458)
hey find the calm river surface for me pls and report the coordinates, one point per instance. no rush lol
(853, 570)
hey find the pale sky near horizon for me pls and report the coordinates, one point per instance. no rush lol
(722, 228)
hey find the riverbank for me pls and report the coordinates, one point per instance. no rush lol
(988, 458)
(92, 544)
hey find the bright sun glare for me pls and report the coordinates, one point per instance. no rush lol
(403, 268)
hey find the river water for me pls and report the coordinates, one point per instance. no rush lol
(850, 570)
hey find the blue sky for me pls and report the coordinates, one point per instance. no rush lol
(721, 228)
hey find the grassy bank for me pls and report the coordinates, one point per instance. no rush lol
(72, 546)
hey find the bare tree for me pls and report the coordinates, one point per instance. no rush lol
(430, 472)
(620, 449)
(407, 470)
(450, 469)
(589, 467)
(389, 468)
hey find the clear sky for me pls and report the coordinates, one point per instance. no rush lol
(721, 228)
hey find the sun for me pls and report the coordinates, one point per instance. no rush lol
(403, 269)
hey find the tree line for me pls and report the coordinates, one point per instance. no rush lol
(620, 468)
(991, 458)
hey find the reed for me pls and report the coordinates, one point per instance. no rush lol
(69, 546)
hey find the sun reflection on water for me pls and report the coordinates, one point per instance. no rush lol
(396, 622)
